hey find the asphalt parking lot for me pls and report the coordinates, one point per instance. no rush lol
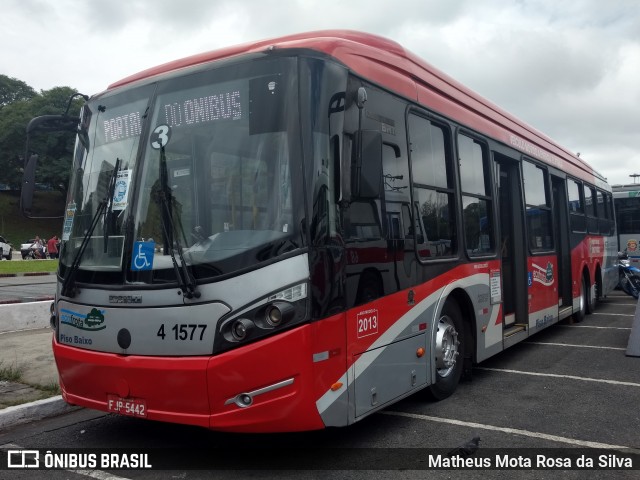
(567, 391)
(569, 386)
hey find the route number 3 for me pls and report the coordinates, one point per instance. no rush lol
(160, 136)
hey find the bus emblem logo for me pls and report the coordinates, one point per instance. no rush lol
(94, 318)
(542, 275)
(92, 321)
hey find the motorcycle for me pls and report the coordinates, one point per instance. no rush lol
(35, 252)
(629, 276)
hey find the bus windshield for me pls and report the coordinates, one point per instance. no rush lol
(109, 133)
(213, 185)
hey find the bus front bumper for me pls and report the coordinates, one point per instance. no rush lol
(262, 387)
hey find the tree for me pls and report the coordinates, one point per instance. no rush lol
(54, 149)
(13, 120)
(13, 90)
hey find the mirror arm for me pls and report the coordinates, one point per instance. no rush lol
(74, 95)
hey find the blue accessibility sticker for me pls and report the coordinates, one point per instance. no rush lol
(142, 256)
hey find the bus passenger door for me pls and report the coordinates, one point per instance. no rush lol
(512, 251)
(561, 227)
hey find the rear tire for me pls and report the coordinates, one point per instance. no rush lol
(579, 315)
(449, 351)
(592, 298)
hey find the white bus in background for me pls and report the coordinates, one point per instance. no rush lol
(626, 199)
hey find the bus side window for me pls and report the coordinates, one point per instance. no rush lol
(538, 204)
(433, 186)
(591, 207)
(477, 204)
(576, 206)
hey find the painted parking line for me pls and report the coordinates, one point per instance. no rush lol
(513, 431)
(98, 474)
(575, 346)
(615, 314)
(554, 375)
(616, 304)
(593, 326)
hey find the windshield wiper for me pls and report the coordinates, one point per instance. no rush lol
(109, 210)
(183, 275)
(68, 285)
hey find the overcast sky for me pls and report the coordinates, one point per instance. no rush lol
(570, 68)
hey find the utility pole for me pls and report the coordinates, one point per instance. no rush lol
(635, 177)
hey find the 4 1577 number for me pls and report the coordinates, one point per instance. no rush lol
(183, 331)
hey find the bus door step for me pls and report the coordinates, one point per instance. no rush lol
(565, 312)
(514, 334)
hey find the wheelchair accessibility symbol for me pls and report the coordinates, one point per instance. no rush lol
(142, 257)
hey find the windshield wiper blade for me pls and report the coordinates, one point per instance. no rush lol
(109, 210)
(68, 285)
(183, 275)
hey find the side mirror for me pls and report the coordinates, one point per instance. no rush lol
(52, 123)
(45, 124)
(28, 185)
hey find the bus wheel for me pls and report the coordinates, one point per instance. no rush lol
(449, 352)
(584, 292)
(593, 299)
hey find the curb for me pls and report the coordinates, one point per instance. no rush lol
(24, 316)
(12, 301)
(28, 412)
(26, 274)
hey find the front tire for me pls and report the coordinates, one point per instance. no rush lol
(448, 352)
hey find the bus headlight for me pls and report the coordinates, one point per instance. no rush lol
(274, 316)
(267, 316)
(241, 329)
(279, 312)
(53, 319)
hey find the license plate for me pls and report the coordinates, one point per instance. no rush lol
(133, 407)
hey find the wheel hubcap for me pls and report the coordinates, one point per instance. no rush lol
(446, 346)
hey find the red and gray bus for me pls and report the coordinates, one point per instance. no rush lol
(295, 233)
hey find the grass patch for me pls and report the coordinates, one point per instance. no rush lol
(50, 389)
(10, 373)
(32, 397)
(28, 266)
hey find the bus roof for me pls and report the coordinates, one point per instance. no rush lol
(387, 63)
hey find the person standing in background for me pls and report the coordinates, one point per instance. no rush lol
(52, 247)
